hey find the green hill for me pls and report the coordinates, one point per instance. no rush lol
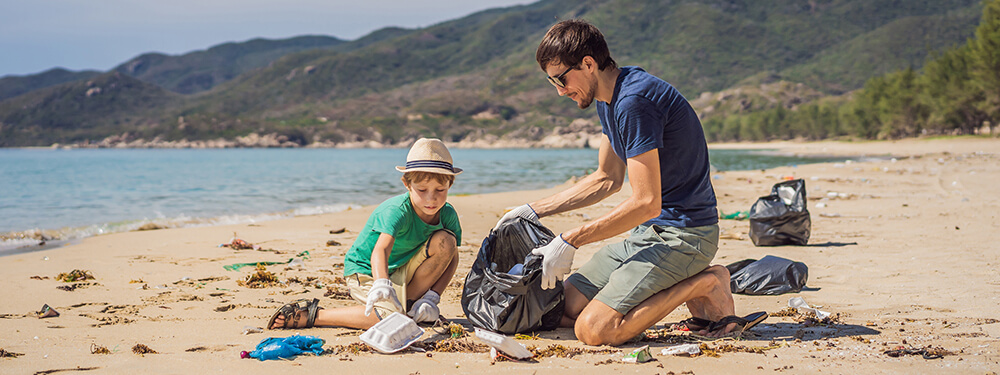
(201, 70)
(11, 86)
(82, 110)
(477, 75)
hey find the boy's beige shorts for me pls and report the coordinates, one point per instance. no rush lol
(361, 284)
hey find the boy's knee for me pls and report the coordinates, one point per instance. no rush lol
(442, 243)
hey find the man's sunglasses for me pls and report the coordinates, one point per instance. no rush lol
(557, 81)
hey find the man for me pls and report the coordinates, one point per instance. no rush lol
(651, 133)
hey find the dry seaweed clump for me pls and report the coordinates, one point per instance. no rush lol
(788, 311)
(97, 349)
(928, 352)
(6, 354)
(336, 292)
(809, 318)
(75, 275)
(711, 351)
(260, 279)
(456, 330)
(352, 348)
(664, 336)
(556, 350)
(450, 345)
(142, 350)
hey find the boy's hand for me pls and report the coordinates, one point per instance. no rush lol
(426, 309)
(524, 211)
(381, 291)
(557, 258)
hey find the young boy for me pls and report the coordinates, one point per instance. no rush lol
(407, 251)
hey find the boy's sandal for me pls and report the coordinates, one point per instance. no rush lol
(742, 324)
(692, 324)
(290, 313)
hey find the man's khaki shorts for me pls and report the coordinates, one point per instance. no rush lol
(361, 284)
(653, 258)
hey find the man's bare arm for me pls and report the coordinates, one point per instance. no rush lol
(605, 181)
(644, 204)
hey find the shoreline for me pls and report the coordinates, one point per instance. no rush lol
(902, 251)
(28, 239)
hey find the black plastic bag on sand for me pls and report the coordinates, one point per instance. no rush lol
(500, 299)
(781, 218)
(769, 276)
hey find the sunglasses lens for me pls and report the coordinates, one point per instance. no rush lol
(556, 82)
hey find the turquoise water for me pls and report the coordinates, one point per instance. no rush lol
(67, 194)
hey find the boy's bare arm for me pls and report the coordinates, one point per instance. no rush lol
(606, 180)
(380, 256)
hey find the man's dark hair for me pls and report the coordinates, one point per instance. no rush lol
(568, 42)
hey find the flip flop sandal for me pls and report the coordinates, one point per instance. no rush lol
(290, 313)
(692, 324)
(742, 324)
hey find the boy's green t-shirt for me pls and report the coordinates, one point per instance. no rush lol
(396, 217)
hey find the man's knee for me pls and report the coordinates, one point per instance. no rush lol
(599, 329)
(718, 271)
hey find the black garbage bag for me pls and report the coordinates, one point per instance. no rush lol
(781, 218)
(769, 276)
(500, 301)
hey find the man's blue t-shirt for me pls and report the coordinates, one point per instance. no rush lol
(648, 113)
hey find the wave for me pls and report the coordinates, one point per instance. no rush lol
(39, 239)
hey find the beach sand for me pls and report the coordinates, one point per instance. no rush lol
(905, 251)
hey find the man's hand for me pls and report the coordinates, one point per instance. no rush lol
(557, 258)
(381, 291)
(523, 211)
(426, 309)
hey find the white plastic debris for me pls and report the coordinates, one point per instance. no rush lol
(503, 343)
(682, 349)
(800, 304)
(394, 333)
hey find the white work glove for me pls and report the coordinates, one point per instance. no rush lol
(523, 211)
(557, 258)
(381, 291)
(425, 309)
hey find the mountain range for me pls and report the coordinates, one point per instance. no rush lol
(475, 78)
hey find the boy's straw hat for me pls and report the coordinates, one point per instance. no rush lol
(429, 155)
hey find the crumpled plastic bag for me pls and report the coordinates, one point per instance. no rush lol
(781, 218)
(500, 296)
(770, 275)
(287, 347)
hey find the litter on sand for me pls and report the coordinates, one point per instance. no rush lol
(394, 333)
(503, 343)
(800, 304)
(286, 347)
(47, 312)
(238, 266)
(238, 244)
(682, 349)
(640, 355)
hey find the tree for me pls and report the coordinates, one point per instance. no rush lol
(985, 53)
(954, 99)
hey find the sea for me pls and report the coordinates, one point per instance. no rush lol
(49, 197)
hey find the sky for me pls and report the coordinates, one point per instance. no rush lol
(37, 35)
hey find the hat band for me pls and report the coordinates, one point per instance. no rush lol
(429, 164)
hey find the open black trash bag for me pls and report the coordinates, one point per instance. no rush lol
(781, 218)
(498, 301)
(769, 276)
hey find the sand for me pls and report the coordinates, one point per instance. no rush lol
(905, 251)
